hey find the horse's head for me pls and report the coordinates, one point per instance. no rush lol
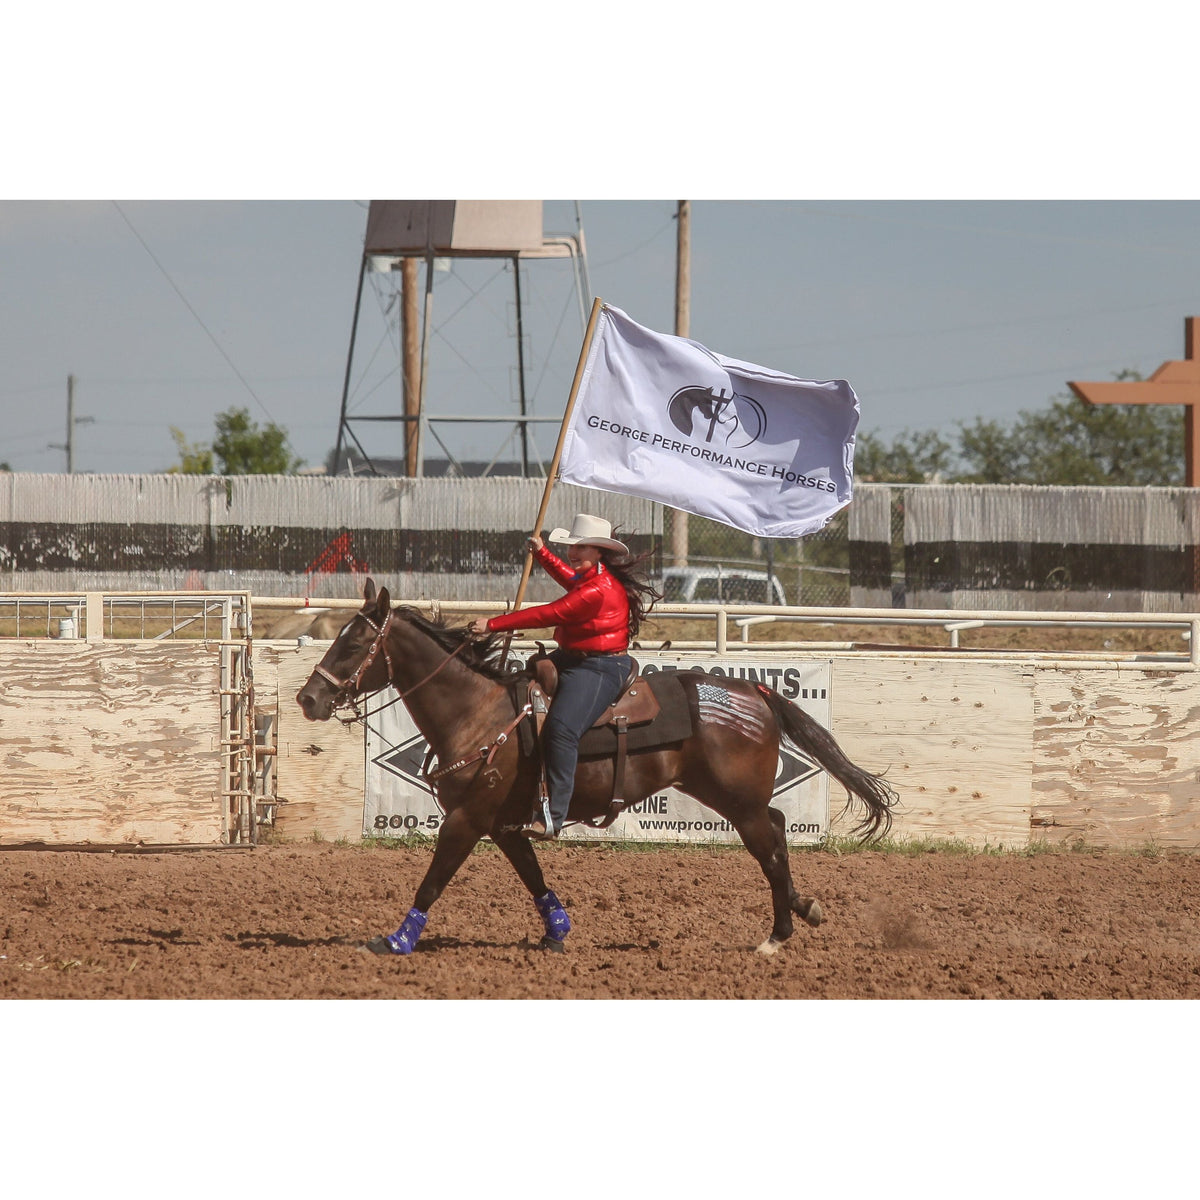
(357, 661)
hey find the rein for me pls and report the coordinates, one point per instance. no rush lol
(346, 698)
(347, 687)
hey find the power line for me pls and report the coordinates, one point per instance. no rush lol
(640, 246)
(1038, 320)
(1030, 235)
(200, 321)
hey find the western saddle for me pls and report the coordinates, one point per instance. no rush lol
(636, 705)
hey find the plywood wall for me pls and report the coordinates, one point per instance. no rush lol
(1117, 758)
(110, 743)
(320, 765)
(119, 743)
(991, 753)
(953, 737)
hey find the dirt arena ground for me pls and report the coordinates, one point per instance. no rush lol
(286, 921)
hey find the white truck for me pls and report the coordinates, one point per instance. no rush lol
(727, 585)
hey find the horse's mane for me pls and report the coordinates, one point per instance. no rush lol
(482, 655)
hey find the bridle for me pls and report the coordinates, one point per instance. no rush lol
(346, 698)
(347, 689)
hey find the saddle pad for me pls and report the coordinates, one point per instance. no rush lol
(673, 723)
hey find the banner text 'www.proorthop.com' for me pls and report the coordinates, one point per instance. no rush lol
(679, 826)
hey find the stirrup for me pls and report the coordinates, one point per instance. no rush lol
(547, 833)
(538, 831)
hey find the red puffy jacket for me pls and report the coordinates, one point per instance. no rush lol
(593, 615)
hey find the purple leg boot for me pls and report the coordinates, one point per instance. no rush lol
(555, 919)
(404, 940)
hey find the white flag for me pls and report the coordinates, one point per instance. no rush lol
(665, 419)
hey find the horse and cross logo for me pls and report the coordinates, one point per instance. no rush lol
(740, 419)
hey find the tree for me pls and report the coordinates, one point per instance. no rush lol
(194, 459)
(1070, 443)
(244, 449)
(921, 457)
(1073, 443)
(239, 448)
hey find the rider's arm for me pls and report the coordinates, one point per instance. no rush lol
(554, 566)
(579, 604)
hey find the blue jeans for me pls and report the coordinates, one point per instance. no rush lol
(586, 687)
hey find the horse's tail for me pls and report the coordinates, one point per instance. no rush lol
(875, 793)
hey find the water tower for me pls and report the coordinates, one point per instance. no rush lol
(402, 235)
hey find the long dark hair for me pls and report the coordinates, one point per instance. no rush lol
(628, 570)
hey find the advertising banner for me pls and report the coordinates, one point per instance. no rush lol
(400, 802)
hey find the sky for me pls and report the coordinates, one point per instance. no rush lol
(168, 313)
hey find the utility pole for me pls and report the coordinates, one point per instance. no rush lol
(70, 424)
(521, 370)
(72, 421)
(683, 322)
(410, 326)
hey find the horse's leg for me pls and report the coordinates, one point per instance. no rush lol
(519, 851)
(736, 783)
(763, 833)
(456, 840)
(806, 908)
(761, 837)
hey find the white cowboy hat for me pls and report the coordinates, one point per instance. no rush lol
(588, 531)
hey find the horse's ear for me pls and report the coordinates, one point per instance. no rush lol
(369, 590)
(383, 605)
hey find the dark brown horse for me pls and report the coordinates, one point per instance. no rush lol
(464, 703)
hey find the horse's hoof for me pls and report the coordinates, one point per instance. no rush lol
(768, 948)
(377, 945)
(812, 914)
(552, 944)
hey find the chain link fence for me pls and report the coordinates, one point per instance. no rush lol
(928, 546)
(705, 561)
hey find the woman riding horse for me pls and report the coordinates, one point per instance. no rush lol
(593, 624)
(457, 689)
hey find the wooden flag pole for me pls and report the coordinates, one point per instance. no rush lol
(597, 305)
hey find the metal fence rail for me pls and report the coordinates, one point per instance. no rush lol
(733, 625)
(98, 616)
